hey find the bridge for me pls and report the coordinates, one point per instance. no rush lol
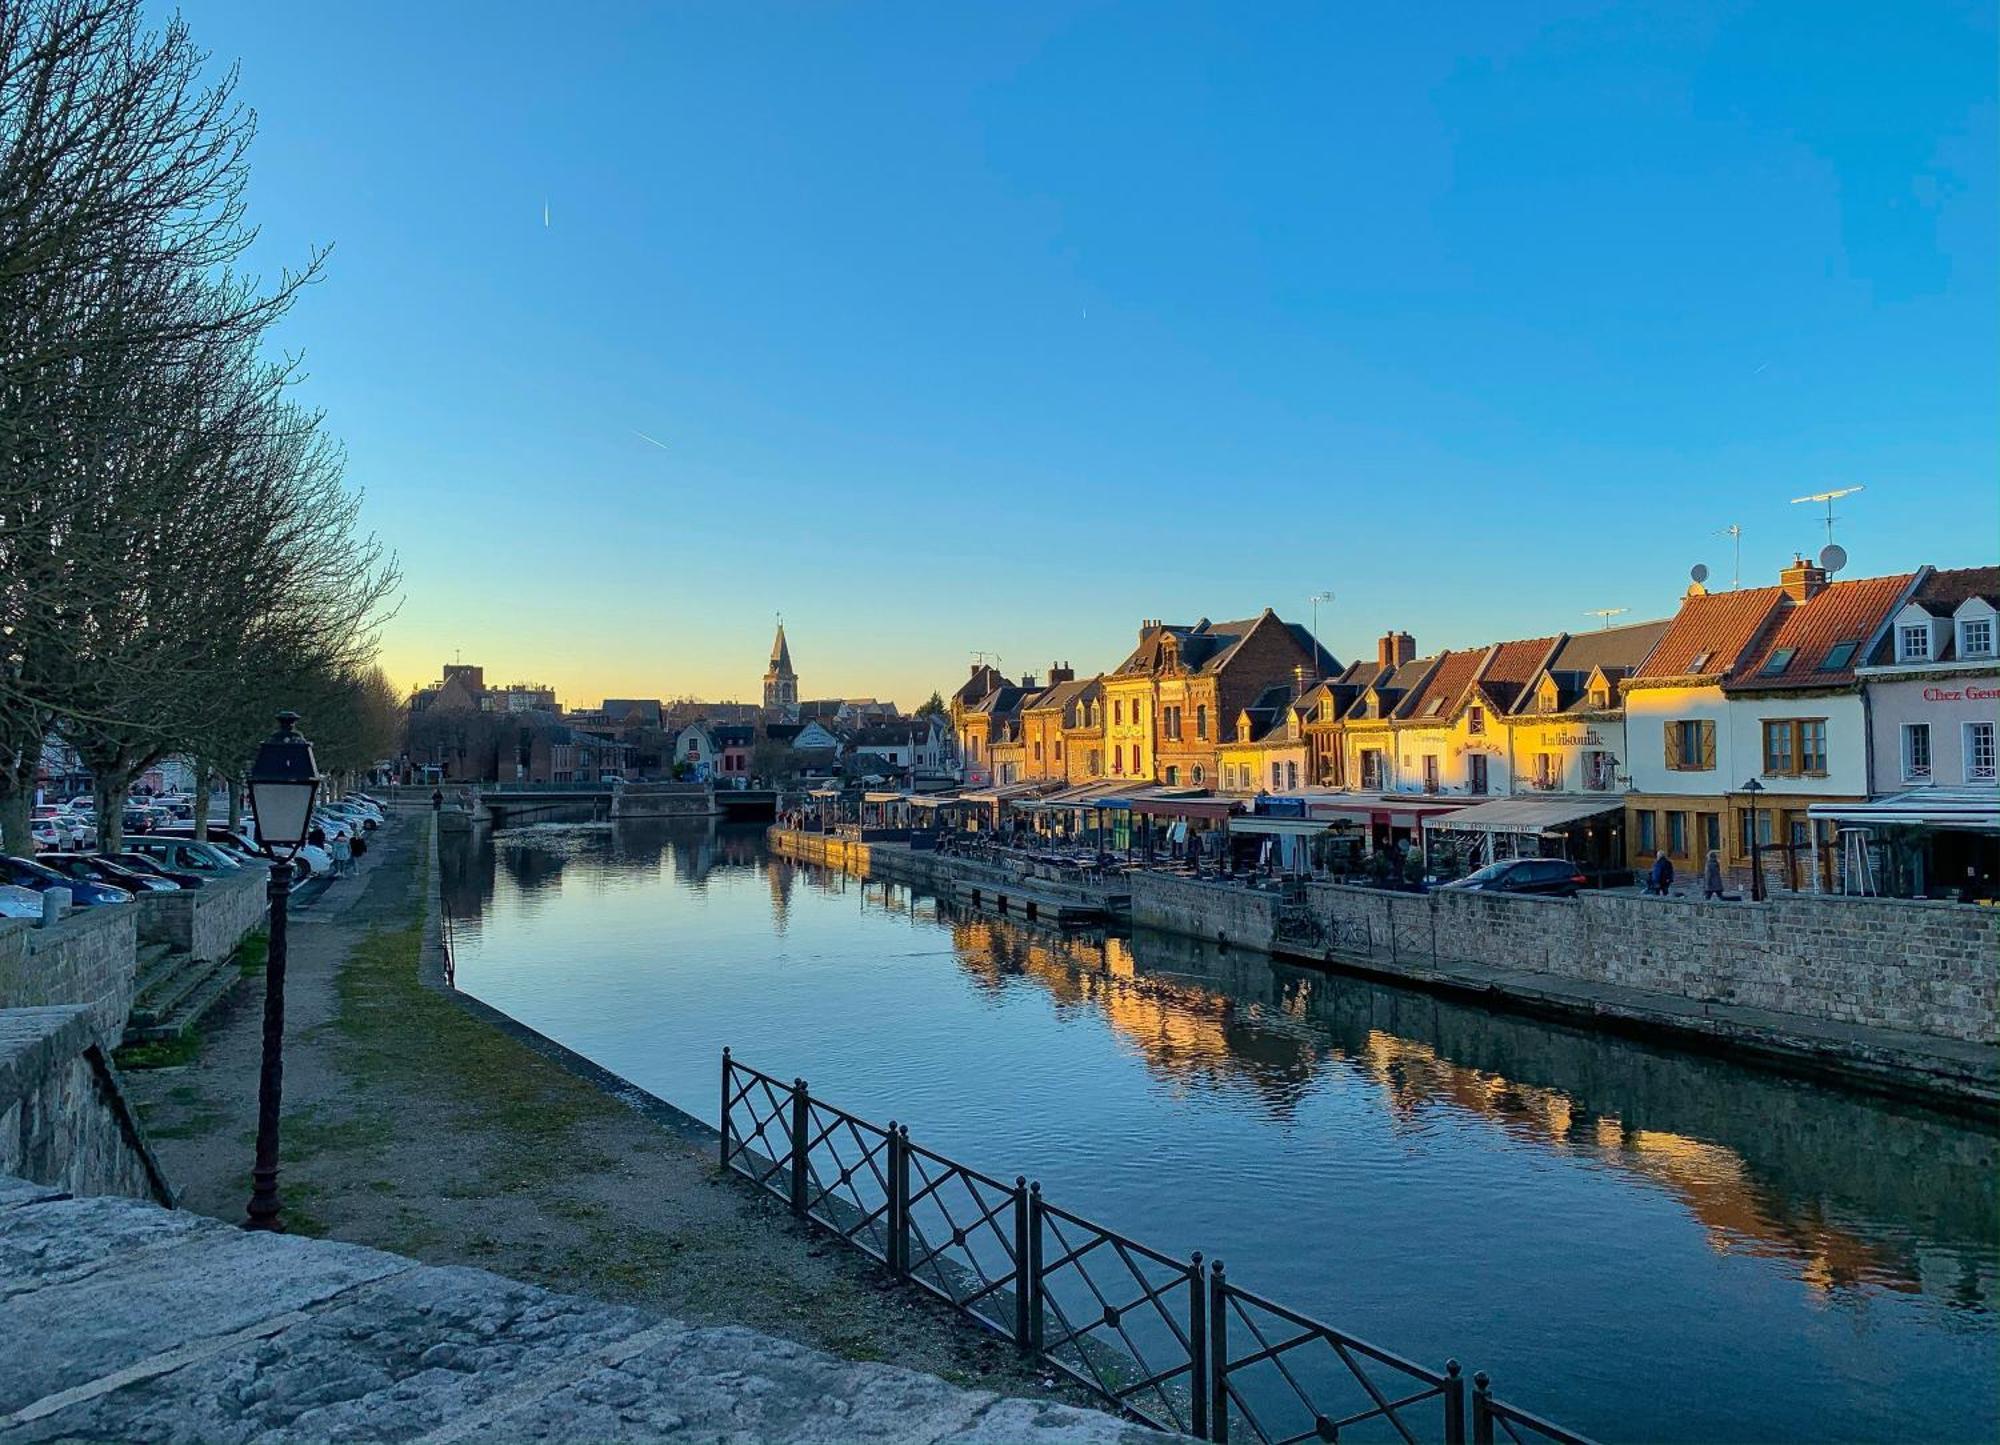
(499, 804)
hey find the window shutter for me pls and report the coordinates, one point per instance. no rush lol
(1673, 749)
(1708, 745)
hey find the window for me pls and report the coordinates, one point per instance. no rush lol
(1430, 772)
(1371, 769)
(1600, 697)
(1292, 775)
(1201, 723)
(1135, 760)
(1764, 825)
(1916, 752)
(1436, 707)
(1979, 759)
(1173, 777)
(1118, 711)
(1277, 777)
(1548, 771)
(1975, 637)
(1794, 746)
(1198, 775)
(1913, 642)
(1475, 778)
(1648, 840)
(1691, 745)
(1597, 771)
(1475, 721)
(1096, 762)
(1711, 831)
(1838, 656)
(1038, 750)
(1677, 834)
(1058, 749)
(1778, 661)
(1700, 661)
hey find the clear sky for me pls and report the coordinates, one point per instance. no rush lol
(1003, 326)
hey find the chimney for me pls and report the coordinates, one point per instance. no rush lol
(1027, 682)
(1395, 649)
(1302, 681)
(1802, 580)
(1060, 672)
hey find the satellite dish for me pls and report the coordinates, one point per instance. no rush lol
(1699, 571)
(1833, 556)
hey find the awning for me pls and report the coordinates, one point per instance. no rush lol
(1402, 809)
(1086, 796)
(1528, 815)
(898, 797)
(1973, 810)
(1284, 827)
(1209, 808)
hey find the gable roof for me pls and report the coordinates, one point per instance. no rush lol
(1509, 668)
(1061, 695)
(1942, 593)
(1435, 698)
(1794, 652)
(1210, 647)
(1710, 633)
(1613, 651)
(1393, 684)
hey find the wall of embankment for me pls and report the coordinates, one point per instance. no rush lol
(940, 872)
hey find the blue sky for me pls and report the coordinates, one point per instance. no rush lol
(1005, 326)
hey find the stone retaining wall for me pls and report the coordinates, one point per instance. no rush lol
(205, 923)
(1925, 968)
(89, 958)
(939, 872)
(64, 1120)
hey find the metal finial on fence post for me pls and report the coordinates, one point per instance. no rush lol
(801, 1106)
(724, 1161)
(1197, 1333)
(1218, 1353)
(1482, 1412)
(1454, 1404)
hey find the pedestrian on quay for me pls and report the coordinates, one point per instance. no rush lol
(1662, 876)
(1711, 876)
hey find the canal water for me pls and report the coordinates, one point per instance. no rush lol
(1641, 1243)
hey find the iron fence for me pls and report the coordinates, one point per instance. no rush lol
(1174, 1343)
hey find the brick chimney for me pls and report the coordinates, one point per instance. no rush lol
(1395, 649)
(1802, 580)
(1061, 672)
(1027, 682)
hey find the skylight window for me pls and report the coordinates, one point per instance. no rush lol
(1436, 707)
(1700, 663)
(1838, 656)
(1778, 661)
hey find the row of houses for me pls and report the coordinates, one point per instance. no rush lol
(1767, 718)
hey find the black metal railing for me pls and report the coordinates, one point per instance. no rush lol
(1171, 1342)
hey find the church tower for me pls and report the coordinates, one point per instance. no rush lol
(781, 684)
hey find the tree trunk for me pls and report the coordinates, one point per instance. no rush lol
(235, 805)
(201, 780)
(14, 809)
(110, 791)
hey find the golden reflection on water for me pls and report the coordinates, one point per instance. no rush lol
(1188, 1033)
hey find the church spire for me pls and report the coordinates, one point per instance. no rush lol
(781, 654)
(781, 684)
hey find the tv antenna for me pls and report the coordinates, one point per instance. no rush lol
(1605, 614)
(1735, 531)
(1829, 498)
(982, 657)
(1318, 650)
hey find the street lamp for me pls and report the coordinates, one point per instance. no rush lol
(284, 780)
(1753, 788)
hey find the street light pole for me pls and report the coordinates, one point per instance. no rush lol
(284, 780)
(1753, 788)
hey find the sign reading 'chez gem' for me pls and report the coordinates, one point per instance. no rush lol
(1969, 693)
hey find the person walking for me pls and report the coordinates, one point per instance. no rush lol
(1662, 876)
(1711, 876)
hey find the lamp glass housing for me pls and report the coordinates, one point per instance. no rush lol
(284, 782)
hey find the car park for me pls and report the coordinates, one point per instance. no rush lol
(84, 893)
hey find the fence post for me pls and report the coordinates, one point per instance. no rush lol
(801, 1105)
(1218, 1353)
(1482, 1411)
(725, 1108)
(1197, 1349)
(1454, 1404)
(899, 1201)
(1035, 1303)
(1023, 1265)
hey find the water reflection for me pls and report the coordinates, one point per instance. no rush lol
(1544, 1190)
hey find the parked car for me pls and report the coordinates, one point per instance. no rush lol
(91, 868)
(185, 855)
(1550, 877)
(17, 902)
(141, 864)
(85, 893)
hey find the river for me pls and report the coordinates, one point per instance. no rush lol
(1641, 1243)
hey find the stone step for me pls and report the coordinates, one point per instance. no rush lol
(189, 1010)
(156, 963)
(168, 1001)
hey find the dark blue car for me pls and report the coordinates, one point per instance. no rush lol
(85, 893)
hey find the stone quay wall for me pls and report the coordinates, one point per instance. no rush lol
(206, 923)
(1926, 968)
(64, 1120)
(89, 958)
(942, 873)
(664, 800)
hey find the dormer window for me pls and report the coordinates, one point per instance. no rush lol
(1913, 642)
(1475, 720)
(1975, 637)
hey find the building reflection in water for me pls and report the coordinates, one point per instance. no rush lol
(1847, 1192)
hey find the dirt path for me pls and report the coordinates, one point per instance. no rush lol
(414, 1126)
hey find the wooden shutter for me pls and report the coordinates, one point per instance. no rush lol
(1708, 745)
(1673, 732)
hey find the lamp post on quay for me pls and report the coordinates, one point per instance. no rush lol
(284, 781)
(1753, 788)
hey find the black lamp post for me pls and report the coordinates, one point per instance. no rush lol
(1753, 788)
(284, 780)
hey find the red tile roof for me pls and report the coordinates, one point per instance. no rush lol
(1518, 662)
(1808, 631)
(1454, 671)
(1943, 592)
(1710, 632)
